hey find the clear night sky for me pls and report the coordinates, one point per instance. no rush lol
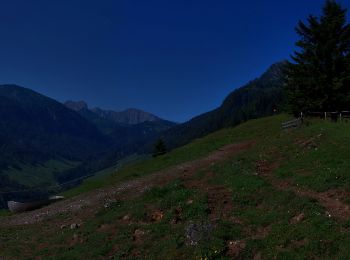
(174, 58)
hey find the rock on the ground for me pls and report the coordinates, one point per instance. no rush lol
(157, 216)
(138, 234)
(235, 248)
(298, 218)
(198, 232)
(74, 226)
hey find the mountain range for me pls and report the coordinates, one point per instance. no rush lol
(39, 134)
(108, 120)
(131, 116)
(44, 142)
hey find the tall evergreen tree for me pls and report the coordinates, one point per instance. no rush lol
(319, 77)
(159, 148)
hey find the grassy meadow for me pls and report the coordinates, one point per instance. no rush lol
(236, 208)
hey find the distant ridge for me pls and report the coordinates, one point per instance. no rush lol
(43, 141)
(37, 131)
(38, 125)
(76, 105)
(131, 116)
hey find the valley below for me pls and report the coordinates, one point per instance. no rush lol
(175, 130)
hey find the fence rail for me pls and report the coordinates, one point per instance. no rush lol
(292, 123)
(334, 116)
(328, 115)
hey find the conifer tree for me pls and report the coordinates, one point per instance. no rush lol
(318, 79)
(159, 148)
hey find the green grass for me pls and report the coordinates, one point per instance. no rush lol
(260, 205)
(4, 213)
(40, 174)
(321, 166)
(259, 129)
(132, 159)
(161, 240)
(102, 178)
(265, 214)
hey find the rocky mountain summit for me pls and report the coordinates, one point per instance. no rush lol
(131, 116)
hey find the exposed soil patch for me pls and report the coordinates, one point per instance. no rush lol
(157, 216)
(331, 200)
(310, 143)
(234, 248)
(106, 228)
(261, 232)
(221, 207)
(86, 205)
(219, 197)
(294, 244)
(335, 207)
(297, 219)
(76, 239)
(138, 235)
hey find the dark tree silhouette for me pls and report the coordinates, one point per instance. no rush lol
(159, 148)
(319, 77)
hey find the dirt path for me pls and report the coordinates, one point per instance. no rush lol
(85, 205)
(219, 197)
(331, 200)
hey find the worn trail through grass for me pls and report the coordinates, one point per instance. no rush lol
(331, 200)
(250, 192)
(87, 204)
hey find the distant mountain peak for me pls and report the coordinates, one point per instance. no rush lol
(130, 116)
(76, 105)
(276, 70)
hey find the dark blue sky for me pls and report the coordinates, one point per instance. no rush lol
(174, 58)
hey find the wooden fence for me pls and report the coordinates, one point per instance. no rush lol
(334, 116)
(292, 123)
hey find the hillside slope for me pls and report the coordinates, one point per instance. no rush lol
(36, 125)
(253, 191)
(44, 143)
(40, 137)
(260, 97)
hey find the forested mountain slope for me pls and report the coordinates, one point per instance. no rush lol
(260, 97)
